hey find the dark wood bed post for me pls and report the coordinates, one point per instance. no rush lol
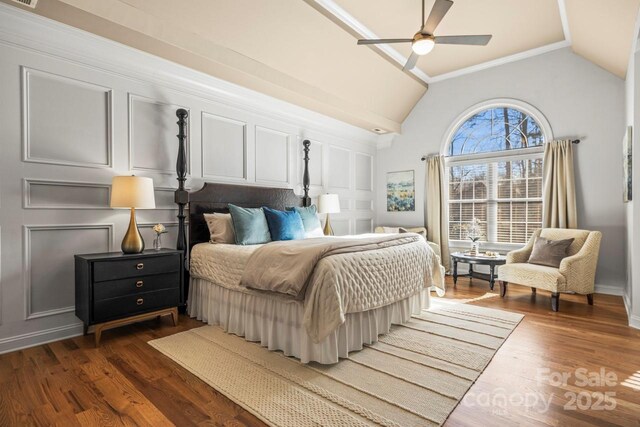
(181, 195)
(306, 200)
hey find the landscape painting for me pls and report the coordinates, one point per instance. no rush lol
(627, 152)
(401, 195)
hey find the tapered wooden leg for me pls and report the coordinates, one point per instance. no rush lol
(174, 316)
(590, 299)
(555, 301)
(98, 334)
(503, 288)
(85, 329)
(533, 290)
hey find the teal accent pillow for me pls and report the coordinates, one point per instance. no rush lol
(309, 215)
(250, 225)
(284, 225)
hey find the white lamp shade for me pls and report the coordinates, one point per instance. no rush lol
(328, 203)
(132, 192)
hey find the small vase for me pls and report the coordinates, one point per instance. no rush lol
(475, 248)
(157, 242)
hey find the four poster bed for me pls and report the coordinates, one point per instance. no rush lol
(341, 293)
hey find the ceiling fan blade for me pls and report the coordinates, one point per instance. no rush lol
(440, 8)
(382, 41)
(411, 62)
(468, 40)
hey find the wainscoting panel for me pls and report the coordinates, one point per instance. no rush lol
(364, 226)
(340, 165)
(51, 194)
(364, 205)
(272, 156)
(224, 148)
(65, 121)
(78, 110)
(49, 265)
(152, 135)
(340, 227)
(364, 172)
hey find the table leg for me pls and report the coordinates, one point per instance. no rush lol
(455, 272)
(492, 277)
(470, 274)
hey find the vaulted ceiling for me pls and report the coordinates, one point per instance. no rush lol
(305, 52)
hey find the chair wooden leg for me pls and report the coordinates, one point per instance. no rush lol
(174, 316)
(533, 290)
(590, 299)
(555, 301)
(503, 288)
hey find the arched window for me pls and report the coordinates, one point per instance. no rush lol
(494, 167)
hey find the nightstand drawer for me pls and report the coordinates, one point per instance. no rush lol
(133, 304)
(135, 285)
(134, 267)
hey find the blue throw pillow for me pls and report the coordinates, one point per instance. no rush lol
(284, 225)
(250, 225)
(309, 215)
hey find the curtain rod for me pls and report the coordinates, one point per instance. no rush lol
(573, 141)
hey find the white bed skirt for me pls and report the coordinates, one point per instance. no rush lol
(276, 323)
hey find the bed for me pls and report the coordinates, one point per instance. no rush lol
(349, 296)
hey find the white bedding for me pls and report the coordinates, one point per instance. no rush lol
(343, 283)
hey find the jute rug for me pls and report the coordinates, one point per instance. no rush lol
(414, 376)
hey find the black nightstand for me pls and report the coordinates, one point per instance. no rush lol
(114, 289)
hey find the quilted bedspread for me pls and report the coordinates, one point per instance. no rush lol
(340, 284)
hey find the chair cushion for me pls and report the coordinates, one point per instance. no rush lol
(549, 252)
(536, 276)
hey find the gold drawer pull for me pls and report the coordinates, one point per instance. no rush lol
(139, 284)
(139, 301)
(140, 266)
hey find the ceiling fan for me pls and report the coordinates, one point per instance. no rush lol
(424, 40)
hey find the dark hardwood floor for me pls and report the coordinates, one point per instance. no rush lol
(127, 382)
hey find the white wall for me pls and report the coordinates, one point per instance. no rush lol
(77, 110)
(578, 99)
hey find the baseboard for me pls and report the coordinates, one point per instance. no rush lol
(634, 321)
(610, 290)
(19, 342)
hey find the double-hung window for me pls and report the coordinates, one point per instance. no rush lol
(494, 171)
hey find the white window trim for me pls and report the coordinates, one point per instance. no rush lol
(516, 154)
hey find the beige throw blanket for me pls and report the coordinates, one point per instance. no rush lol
(286, 266)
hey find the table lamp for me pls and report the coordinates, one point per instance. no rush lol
(132, 192)
(328, 204)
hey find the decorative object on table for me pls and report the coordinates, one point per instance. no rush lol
(115, 289)
(492, 254)
(133, 192)
(474, 233)
(576, 273)
(159, 229)
(401, 191)
(328, 204)
(491, 261)
(627, 153)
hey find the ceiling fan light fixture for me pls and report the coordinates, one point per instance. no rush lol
(422, 46)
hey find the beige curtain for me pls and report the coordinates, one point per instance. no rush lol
(436, 211)
(559, 202)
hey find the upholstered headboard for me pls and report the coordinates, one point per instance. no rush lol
(214, 197)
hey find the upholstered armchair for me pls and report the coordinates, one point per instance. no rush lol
(576, 273)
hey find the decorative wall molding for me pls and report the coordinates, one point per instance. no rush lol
(262, 155)
(368, 184)
(26, 91)
(29, 182)
(169, 120)
(245, 166)
(24, 29)
(340, 166)
(364, 205)
(28, 263)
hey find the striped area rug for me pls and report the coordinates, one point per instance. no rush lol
(413, 376)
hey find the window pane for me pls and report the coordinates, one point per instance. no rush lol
(519, 188)
(504, 189)
(496, 129)
(534, 188)
(480, 190)
(535, 168)
(467, 190)
(535, 212)
(454, 191)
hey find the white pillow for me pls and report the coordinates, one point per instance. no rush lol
(220, 228)
(391, 230)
